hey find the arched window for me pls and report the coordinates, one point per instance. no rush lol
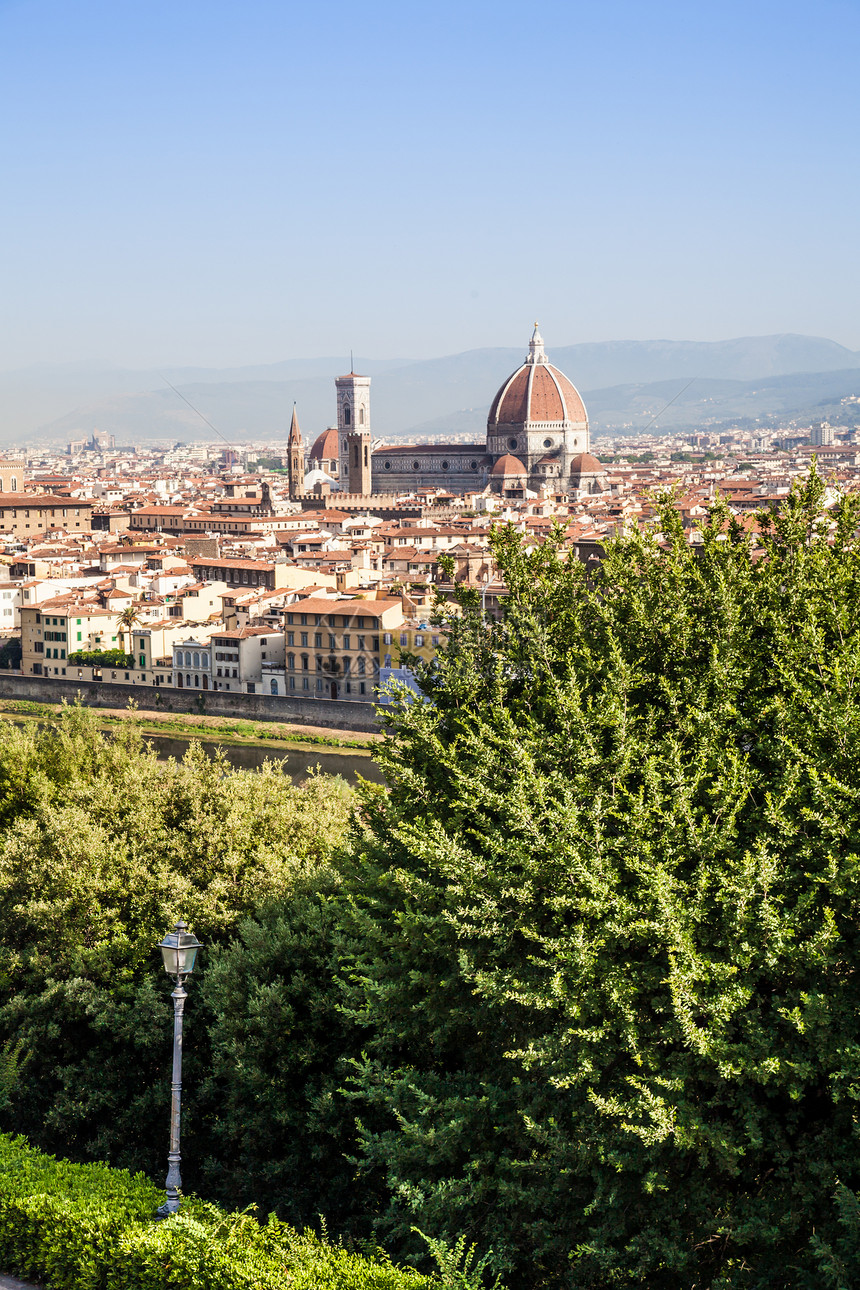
(361, 416)
(14, 484)
(188, 681)
(347, 415)
(273, 685)
(197, 682)
(196, 659)
(188, 658)
(204, 660)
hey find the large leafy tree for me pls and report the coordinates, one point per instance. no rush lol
(103, 848)
(606, 923)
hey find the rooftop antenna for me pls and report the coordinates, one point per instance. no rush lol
(351, 362)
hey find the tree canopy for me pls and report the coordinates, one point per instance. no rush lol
(605, 924)
(103, 848)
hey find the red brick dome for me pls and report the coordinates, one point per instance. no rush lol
(325, 447)
(538, 393)
(509, 465)
(586, 464)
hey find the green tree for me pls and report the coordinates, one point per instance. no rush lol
(282, 1133)
(606, 924)
(126, 619)
(103, 848)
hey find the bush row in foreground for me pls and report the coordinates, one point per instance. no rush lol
(90, 1227)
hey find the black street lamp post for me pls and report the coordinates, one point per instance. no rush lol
(179, 951)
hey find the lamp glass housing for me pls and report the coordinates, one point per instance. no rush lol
(179, 951)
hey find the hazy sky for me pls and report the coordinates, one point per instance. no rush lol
(214, 181)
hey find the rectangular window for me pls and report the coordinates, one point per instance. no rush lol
(404, 639)
(419, 641)
(304, 636)
(387, 638)
(79, 636)
(306, 685)
(319, 684)
(435, 640)
(289, 618)
(318, 640)
(292, 682)
(291, 638)
(361, 642)
(361, 687)
(332, 643)
(304, 620)
(346, 642)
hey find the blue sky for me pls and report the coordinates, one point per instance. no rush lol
(216, 182)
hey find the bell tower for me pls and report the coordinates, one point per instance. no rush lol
(358, 452)
(296, 460)
(353, 417)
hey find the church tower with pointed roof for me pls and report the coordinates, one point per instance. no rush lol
(296, 459)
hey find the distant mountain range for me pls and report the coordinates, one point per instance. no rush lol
(625, 384)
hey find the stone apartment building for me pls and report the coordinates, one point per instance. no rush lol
(60, 626)
(27, 514)
(333, 645)
(227, 660)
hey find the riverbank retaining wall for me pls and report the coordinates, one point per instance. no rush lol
(339, 714)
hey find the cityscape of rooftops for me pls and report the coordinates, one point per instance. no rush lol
(429, 568)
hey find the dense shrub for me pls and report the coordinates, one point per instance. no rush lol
(103, 848)
(281, 1133)
(101, 658)
(606, 930)
(89, 1227)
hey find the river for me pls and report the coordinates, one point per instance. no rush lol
(298, 761)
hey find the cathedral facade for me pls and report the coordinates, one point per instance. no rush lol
(537, 439)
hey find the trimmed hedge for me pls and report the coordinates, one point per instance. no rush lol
(101, 658)
(90, 1227)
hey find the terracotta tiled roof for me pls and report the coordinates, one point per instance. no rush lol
(509, 465)
(325, 446)
(537, 392)
(585, 464)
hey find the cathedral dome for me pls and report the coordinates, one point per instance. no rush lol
(586, 464)
(325, 446)
(537, 393)
(508, 465)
